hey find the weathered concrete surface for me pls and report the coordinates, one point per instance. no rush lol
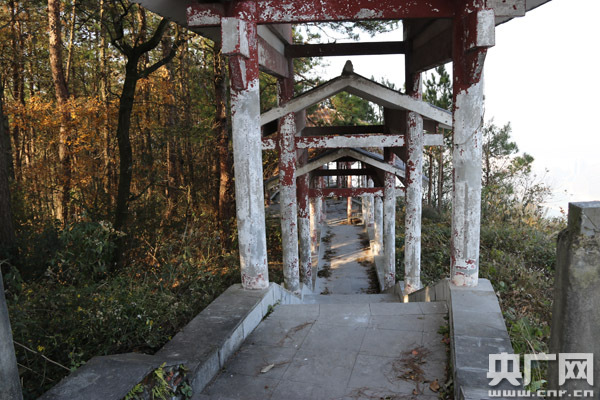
(304, 237)
(9, 374)
(468, 107)
(477, 329)
(414, 187)
(337, 351)
(576, 309)
(389, 226)
(344, 254)
(247, 149)
(107, 377)
(288, 203)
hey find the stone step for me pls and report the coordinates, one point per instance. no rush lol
(350, 298)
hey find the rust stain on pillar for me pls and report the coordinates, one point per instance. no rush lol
(473, 33)
(240, 43)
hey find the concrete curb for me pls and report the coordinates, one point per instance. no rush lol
(203, 346)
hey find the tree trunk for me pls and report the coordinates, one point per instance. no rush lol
(108, 176)
(7, 232)
(430, 176)
(124, 142)
(18, 84)
(226, 203)
(62, 97)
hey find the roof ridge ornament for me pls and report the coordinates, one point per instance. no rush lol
(348, 68)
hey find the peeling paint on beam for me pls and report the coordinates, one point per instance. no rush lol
(293, 11)
(338, 142)
(345, 192)
(344, 49)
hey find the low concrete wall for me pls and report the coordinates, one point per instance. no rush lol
(477, 329)
(203, 346)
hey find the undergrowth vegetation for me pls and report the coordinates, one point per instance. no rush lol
(70, 307)
(517, 257)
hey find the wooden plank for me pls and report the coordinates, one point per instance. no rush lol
(337, 142)
(344, 49)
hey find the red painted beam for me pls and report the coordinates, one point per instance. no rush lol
(294, 11)
(344, 49)
(345, 192)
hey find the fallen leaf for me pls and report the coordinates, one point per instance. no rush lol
(415, 391)
(414, 352)
(267, 368)
(434, 386)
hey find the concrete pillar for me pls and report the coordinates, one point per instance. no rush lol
(287, 188)
(349, 199)
(389, 225)
(323, 215)
(473, 33)
(314, 225)
(239, 40)
(304, 232)
(9, 374)
(378, 224)
(576, 308)
(370, 205)
(414, 193)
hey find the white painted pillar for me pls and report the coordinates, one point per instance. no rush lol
(287, 187)
(370, 205)
(304, 232)
(414, 195)
(287, 203)
(313, 225)
(378, 224)
(323, 215)
(239, 40)
(349, 199)
(389, 225)
(473, 34)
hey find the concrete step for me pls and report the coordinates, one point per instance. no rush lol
(350, 298)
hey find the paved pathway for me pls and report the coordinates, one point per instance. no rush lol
(345, 345)
(347, 259)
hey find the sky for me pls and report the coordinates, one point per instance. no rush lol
(541, 77)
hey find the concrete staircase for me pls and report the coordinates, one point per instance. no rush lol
(350, 298)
